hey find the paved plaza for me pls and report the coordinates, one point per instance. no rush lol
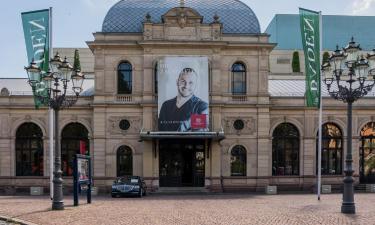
(193, 209)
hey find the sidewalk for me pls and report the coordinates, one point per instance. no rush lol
(193, 209)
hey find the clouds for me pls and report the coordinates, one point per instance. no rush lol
(363, 7)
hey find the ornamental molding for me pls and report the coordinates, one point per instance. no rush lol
(249, 125)
(114, 128)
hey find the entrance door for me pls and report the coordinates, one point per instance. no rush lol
(181, 163)
(367, 160)
(367, 154)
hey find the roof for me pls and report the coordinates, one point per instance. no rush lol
(127, 15)
(20, 86)
(337, 30)
(296, 88)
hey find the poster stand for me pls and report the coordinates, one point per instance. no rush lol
(82, 178)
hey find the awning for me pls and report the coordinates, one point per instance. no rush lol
(150, 135)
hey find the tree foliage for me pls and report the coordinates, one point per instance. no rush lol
(325, 57)
(295, 62)
(77, 63)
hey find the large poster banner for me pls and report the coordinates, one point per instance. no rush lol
(183, 94)
(309, 22)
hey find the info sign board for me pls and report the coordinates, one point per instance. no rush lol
(82, 176)
(183, 94)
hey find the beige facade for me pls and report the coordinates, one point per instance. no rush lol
(260, 111)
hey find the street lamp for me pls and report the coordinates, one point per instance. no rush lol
(50, 88)
(349, 76)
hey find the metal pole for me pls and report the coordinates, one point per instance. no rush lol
(320, 112)
(57, 203)
(50, 116)
(348, 205)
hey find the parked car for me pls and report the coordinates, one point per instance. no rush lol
(129, 185)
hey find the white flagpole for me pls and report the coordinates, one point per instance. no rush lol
(320, 111)
(50, 117)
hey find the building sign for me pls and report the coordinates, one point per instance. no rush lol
(183, 94)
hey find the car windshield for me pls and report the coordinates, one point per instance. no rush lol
(128, 180)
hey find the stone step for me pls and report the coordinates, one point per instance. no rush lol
(181, 190)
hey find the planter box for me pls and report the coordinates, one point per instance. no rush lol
(370, 188)
(271, 190)
(36, 191)
(326, 189)
(94, 191)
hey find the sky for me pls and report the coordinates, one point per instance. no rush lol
(74, 21)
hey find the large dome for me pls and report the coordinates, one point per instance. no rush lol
(127, 16)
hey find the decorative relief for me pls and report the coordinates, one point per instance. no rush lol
(114, 125)
(249, 125)
(28, 118)
(147, 34)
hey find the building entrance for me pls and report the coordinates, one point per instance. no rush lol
(181, 163)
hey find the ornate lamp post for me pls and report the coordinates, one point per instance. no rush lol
(348, 77)
(51, 90)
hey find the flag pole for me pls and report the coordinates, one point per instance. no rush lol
(50, 117)
(320, 110)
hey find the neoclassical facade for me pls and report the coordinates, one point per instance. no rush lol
(260, 131)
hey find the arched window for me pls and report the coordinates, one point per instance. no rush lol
(74, 140)
(238, 79)
(331, 150)
(29, 150)
(238, 161)
(285, 150)
(156, 78)
(367, 154)
(124, 161)
(124, 78)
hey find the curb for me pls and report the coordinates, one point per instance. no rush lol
(15, 220)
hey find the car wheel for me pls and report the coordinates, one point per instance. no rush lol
(144, 192)
(113, 195)
(140, 193)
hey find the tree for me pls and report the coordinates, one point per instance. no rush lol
(325, 57)
(77, 63)
(295, 62)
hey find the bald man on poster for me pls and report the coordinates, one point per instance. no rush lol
(176, 114)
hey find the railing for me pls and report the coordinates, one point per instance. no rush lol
(239, 98)
(124, 98)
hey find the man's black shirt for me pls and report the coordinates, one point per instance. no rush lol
(172, 118)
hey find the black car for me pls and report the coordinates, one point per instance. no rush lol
(129, 185)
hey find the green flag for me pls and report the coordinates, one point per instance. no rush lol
(309, 21)
(36, 30)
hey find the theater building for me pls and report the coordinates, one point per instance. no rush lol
(186, 94)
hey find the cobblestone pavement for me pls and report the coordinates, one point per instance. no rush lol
(230, 209)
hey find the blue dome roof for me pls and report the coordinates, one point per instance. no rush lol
(127, 15)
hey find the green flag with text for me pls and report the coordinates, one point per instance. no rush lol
(309, 21)
(36, 31)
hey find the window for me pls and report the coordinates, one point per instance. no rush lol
(238, 161)
(124, 78)
(238, 79)
(285, 150)
(29, 150)
(124, 161)
(74, 140)
(156, 78)
(367, 154)
(331, 150)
